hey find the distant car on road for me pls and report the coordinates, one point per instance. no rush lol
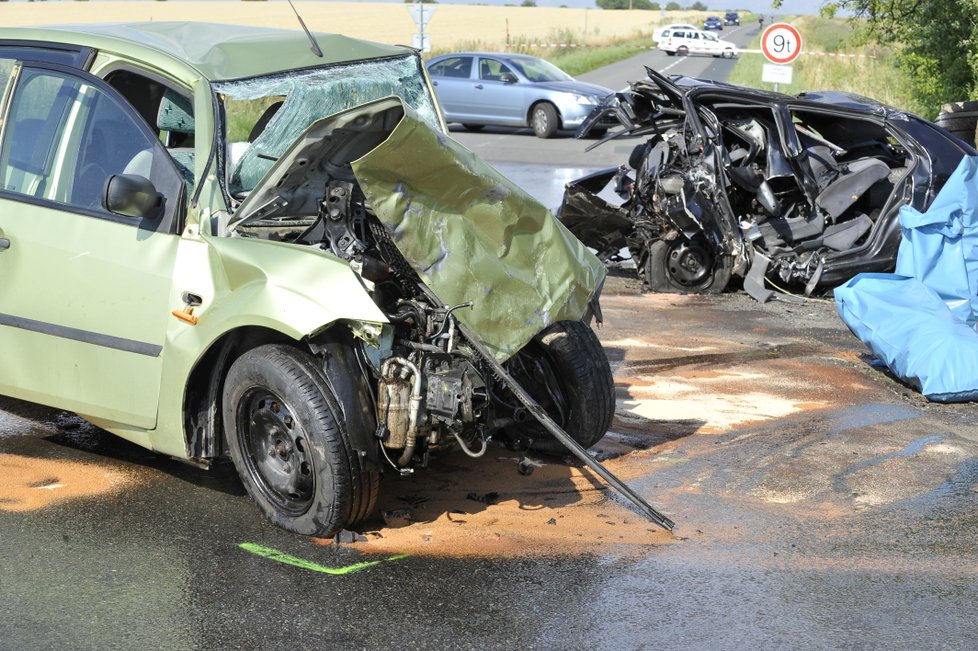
(731, 18)
(713, 22)
(511, 90)
(657, 34)
(694, 41)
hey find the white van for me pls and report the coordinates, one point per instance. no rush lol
(694, 41)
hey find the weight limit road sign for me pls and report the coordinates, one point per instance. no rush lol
(781, 43)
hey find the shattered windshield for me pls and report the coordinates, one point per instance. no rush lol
(265, 115)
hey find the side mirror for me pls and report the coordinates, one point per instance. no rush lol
(508, 78)
(132, 195)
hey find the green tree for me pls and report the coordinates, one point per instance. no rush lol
(528, 3)
(626, 4)
(673, 6)
(698, 6)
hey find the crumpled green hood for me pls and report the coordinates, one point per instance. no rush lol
(473, 235)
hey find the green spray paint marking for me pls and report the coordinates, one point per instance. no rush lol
(282, 557)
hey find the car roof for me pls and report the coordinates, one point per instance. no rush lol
(498, 55)
(216, 51)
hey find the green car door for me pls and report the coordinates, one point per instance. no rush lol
(85, 293)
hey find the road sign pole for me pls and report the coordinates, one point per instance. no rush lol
(781, 44)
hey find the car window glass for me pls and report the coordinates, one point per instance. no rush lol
(538, 70)
(666, 33)
(74, 56)
(6, 67)
(710, 37)
(457, 67)
(65, 137)
(492, 70)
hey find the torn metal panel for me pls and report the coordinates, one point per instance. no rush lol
(812, 183)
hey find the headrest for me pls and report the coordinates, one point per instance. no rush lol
(176, 113)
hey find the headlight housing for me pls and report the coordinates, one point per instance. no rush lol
(586, 99)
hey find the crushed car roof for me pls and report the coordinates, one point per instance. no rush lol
(218, 52)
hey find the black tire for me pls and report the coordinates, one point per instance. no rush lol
(544, 120)
(670, 53)
(682, 50)
(473, 127)
(682, 266)
(291, 445)
(960, 119)
(565, 369)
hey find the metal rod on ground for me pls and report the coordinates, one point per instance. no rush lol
(541, 415)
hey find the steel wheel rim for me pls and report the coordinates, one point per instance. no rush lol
(689, 263)
(276, 451)
(541, 123)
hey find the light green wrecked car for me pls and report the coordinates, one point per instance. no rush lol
(216, 241)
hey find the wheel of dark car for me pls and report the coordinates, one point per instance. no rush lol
(473, 127)
(670, 53)
(544, 120)
(289, 440)
(565, 369)
(682, 50)
(684, 266)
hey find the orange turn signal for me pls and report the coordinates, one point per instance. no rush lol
(186, 314)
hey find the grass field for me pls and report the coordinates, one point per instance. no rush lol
(872, 72)
(452, 27)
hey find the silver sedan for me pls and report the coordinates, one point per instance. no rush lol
(511, 90)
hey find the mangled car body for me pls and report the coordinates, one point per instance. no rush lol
(229, 241)
(799, 193)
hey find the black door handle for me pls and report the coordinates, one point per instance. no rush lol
(4, 244)
(479, 86)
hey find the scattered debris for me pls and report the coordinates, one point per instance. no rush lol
(526, 465)
(413, 500)
(552, 521)
(456, 512)
(487, 498)
(347, 537)
(397, 517)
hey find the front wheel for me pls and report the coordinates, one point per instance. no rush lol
(292, 446)
(544, 120)
(683, 266)
(564, 368)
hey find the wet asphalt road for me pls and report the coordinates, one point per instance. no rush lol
(820, 505)
(847, 523)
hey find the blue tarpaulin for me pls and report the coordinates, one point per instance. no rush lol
(920, 320)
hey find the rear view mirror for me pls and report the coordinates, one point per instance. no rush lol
(132, 195)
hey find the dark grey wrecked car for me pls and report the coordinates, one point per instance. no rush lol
(786, 191)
